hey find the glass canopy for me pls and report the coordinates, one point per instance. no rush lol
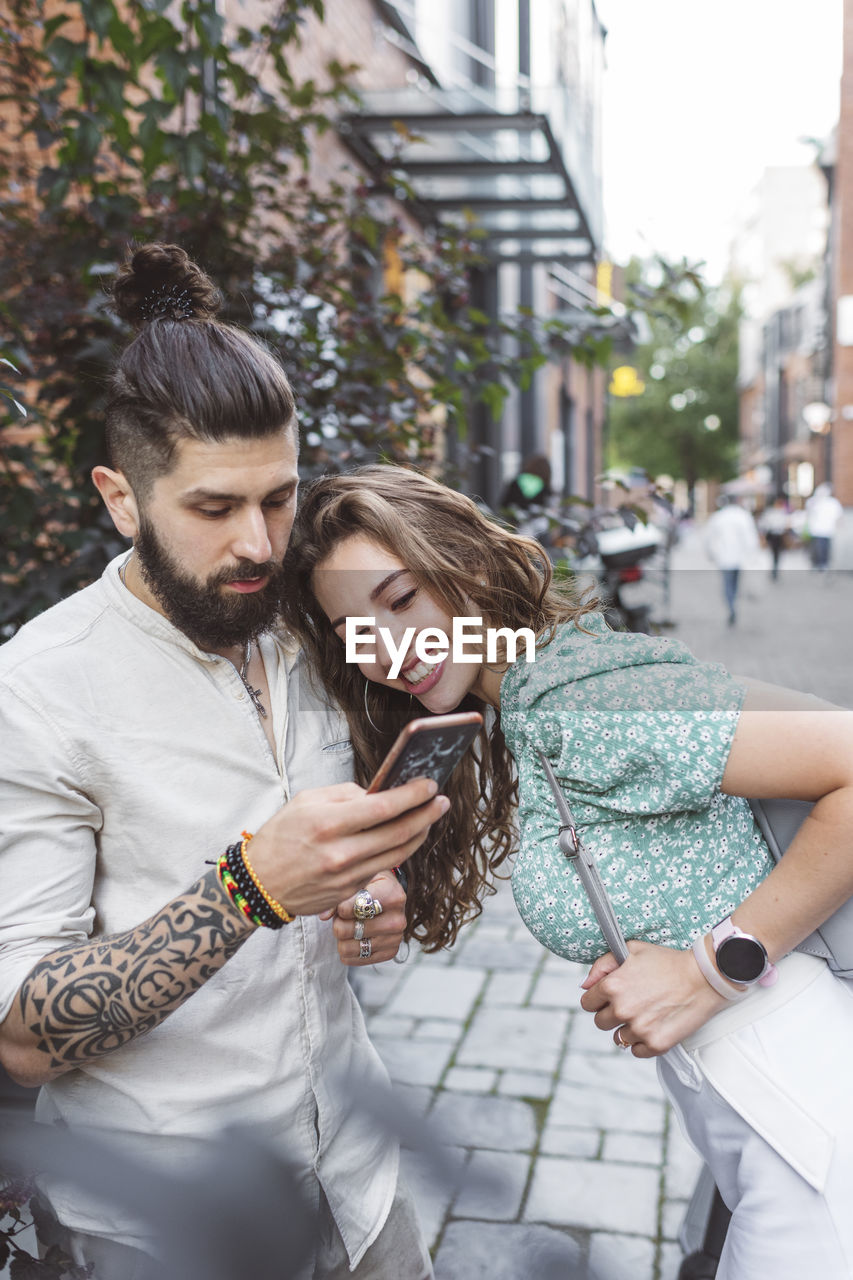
(459, 156)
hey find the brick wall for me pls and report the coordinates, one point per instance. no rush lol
(351, 32)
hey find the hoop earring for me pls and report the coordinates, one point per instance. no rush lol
(367, 708)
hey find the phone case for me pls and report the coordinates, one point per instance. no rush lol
(428, 748)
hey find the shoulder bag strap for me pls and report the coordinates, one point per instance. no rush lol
(584, 863)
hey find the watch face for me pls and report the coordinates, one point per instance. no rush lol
(741, 959)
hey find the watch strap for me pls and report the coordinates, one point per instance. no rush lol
(712, 975)
(728, 929)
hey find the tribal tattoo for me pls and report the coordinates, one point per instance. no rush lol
(88, 999)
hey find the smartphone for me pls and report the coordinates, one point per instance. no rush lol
(428, 748)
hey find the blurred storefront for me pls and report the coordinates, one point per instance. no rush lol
(796, 368)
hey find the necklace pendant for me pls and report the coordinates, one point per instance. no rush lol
(255, 695)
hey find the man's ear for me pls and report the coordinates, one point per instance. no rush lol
(119, 499)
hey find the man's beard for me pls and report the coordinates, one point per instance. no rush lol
(207, 616)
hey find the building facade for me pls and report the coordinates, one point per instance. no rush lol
(501, 112)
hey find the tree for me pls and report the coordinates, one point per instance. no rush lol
(684, 422)
(155, 121)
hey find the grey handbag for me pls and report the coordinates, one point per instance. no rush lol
(779, 821)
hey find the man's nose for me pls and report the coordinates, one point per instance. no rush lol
(252, 541)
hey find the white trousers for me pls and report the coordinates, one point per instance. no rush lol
(776, 1126)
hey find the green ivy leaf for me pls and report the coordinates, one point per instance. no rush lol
(210, 24)
(174, 71)
(53, 24)
(65, 55)
(98, 14)
(493, 395)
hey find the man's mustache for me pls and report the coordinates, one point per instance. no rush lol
(245, 572)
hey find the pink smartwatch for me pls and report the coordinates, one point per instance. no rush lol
(740, 957)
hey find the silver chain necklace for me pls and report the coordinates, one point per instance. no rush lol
(254, 694)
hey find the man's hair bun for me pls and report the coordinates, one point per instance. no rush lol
(161, 282)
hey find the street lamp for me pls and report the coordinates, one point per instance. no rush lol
(818, 417)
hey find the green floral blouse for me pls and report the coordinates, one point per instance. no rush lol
(638, 732)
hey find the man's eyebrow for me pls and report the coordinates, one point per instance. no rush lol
(375, 593)
(214, 495)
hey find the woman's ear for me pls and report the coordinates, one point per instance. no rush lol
(119, 499)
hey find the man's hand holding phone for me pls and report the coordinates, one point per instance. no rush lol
(326, 844)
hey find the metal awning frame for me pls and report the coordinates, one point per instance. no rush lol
(357, 130)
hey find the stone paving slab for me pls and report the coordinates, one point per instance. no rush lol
(594, 1194)
(519, 1039)
(443, 993)
(583, 1107)
(618, 1257)
(485, 1121)
(498, 1182)
(409, 1062)
(479, 1251)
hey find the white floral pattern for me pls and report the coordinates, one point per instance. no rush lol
(638, 732)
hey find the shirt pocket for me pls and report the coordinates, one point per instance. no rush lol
(337, 761)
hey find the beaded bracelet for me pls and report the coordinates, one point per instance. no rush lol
(230, 886)
(249, 890)
(282, 912)
(243, 891)
(240, 881)
(245, 886)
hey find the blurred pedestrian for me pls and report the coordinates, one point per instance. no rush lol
(823, 511)
(775, 524)
(526, 499)
(731, 540)
(531, 486)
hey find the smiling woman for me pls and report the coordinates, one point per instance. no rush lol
(391, 544)
(656, 754)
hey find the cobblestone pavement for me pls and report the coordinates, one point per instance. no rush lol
(569, 1151)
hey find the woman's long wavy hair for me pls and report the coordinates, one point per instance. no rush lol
(472, 567)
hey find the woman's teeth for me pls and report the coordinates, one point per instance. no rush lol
(418, 673)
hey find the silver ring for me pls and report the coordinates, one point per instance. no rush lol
(364, 949)
(358, 931)
(364, 908)
(377, 907)
(618, 1041)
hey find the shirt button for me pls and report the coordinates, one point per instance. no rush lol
(240, 695)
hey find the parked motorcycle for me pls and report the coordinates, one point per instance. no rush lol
(609, 549)
(624, 554)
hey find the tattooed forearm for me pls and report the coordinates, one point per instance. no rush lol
(91, 998)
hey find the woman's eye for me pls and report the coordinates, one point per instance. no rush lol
(404, 601)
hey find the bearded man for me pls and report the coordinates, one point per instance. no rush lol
(161, 974)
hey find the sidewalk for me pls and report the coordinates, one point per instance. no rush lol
(489, 1041)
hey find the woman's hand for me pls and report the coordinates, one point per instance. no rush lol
(656, 998)
(384, 932)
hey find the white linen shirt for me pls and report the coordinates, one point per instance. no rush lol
(129, 757)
